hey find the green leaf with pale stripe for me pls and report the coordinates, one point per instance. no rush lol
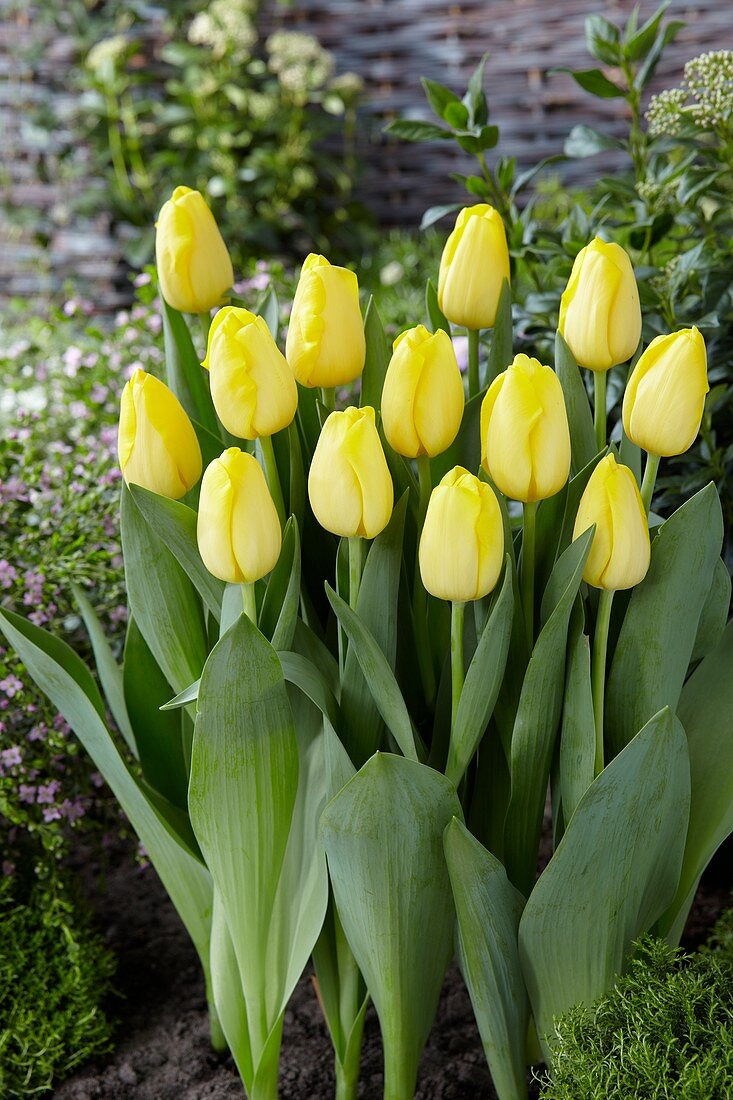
(501, 351)
(184, 373)
(577, 733)
(110, 673)
(614, 873)
(658, 634)
(580, 418)
(488, 909)
(714, 614)
(377, 358)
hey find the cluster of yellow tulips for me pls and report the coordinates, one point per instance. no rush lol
(525, 439)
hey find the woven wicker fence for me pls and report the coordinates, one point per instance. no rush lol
(391, 44)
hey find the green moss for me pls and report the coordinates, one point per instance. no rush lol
(54, 973)
(665, 1032)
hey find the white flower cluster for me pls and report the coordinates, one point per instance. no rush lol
(704, 98)
(227, 27)
(299, 61)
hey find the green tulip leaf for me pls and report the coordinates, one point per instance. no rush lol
(614, 873)
(269, 310)
(714, 614)
(483, 680)
(706, 712)
(577, 733)
(377, 674)
(184, 373)
(227, 993)
(63, 677)
(465, 450)
(383, 837)
(536, 724)
(377, 358)
(580, 418)
(488, 909)
(435, 316)
(500, 352)
(110, 673)
(175, 524)
(162, 599)
(279, 609)
(658, 634)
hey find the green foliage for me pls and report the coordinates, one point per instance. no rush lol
(666, 1029)
(196, 94)
(54, 974)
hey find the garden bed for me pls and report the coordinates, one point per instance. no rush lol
(163, 1050)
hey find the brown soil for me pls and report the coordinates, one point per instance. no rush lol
(163, 1052)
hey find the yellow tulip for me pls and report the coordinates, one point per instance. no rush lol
(620, 554)
(325, 344)
(349, 483)
(473, 266)
(157, 445)
(194, 268)
(238, 531)
(422, 398)
(252, 386)
(525, 439)
(462, 542)
(665, 395)
(600, 315)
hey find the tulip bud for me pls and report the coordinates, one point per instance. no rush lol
(422, 399)
(194, 269)
(473, 266)
(525, 439)
(238, 531)
(665, 395)
(157, 445)
(462, 541)
(620, 554)
(325, 344)
(349, 483)
(252, 386)
(600, 315)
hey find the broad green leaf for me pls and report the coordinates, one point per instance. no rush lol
(638, 42)
(660, 626)
(269, 310)
(65, 680)
(562, 575)
(584, 141)
(438, 96)
(158, 735)
(434, 213)
(310, 645)
(162, 599)
(577, 733)
(227, 991)
(536, 724)
(714, 614)
(580, 418)
(593, 81)
(435, 316)
(362, 724)
(110, 673)
(488, 909)
(465, 450)
(175, 524)
(602, 39)
(185, 375)
(242, 792)
(500, 352)
(280, 606)
(413, 129)
(706, 712)
(614, 873)
(377, 358)
(301, 672)
(483, 680)
(383, 837)
(667, 34)
(377, 674)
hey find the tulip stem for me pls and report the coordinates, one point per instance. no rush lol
(527, 571)
(273, 477)
(598, 673)
(650, 478)
(355, 559)
(473, 375)
(205, 322)
(328, 398)
(456, 659)
(249, 600)
(426, 486)
(599, 408)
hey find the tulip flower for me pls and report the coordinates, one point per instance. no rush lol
(619, 556)
(473, 266)
(462, 543)
(665, 395)
(524, 432)
(325, 344)
(422, 398)
(238, 530)
(194, 268)
(252, 386)
(600, 315)
(157, 444)
(349, 484)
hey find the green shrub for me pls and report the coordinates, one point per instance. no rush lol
(54, 973)
(665, 1031)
